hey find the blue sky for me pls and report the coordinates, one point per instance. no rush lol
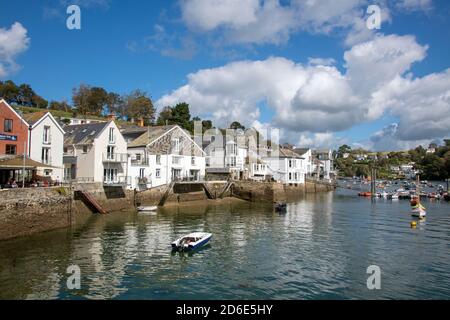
(155, 45)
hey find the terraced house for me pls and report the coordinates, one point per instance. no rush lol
(46, 144)
(162, 154)
(95, 152)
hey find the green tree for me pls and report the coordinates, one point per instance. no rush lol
(9, 91)
(114, 104)
(165, 116)
(182, 116)
(39, 102)
(433, 167)
(80, 99)
(236, 125)
(343, 149)
(140, 106)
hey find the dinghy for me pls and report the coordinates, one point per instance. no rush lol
(146, 208)
(191, 241)
(281, 207)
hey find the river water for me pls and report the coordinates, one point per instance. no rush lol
(320, 249)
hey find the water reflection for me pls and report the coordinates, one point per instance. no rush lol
(320, 248)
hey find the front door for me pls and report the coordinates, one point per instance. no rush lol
(176, 174)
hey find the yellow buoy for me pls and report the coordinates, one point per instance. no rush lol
(413, 224)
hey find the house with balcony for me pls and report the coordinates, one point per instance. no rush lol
(226, 154)
(46, 144)
(95, 152)
(324, 164)
(308, 160)
(285, 165)
(162, 154)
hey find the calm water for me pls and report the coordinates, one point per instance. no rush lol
(319, 250)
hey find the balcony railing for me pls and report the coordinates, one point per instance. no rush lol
(116, 181)
(115, 157)
(140, 162)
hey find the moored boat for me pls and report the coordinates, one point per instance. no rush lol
(191, 241)
(146, 208)
(418, 210)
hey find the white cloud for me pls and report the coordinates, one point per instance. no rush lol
(269, 21)
(414, 5)
(321, 61)
(320, 98)
(13, 41)
(325, 140)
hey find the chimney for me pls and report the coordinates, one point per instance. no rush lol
(140, 122)
(111, 117)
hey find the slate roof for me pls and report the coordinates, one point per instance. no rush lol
(83, 133)
(301, 151)
(149, 135)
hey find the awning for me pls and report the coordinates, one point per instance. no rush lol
(16, 162)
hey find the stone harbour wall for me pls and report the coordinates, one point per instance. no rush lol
(27, 211)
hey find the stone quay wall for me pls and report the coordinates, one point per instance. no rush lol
(27, 211)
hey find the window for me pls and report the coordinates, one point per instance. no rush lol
(8, 125)
(158, 160)
(110, 175)
(45, 156)
(110, 152)
(193, 161)
(232, 149)
(11, 149)
(232, 161)
(176, 144)
(111, 135)
(65, 150)
(85, 149)
(158, 173)
(290, 176)
(46, 137)
(176, 160)
(141, 173)
(138, 157)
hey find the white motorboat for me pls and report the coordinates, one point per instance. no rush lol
(191, 241)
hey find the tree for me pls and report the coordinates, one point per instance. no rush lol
(114, 104)
(433, 167)
(182, 116)
(97, 100)
(140, 106)
(39, 102)
(60, 106)
(25, 95)
(343, 149)
(165, 116)
(9, 91)
(80, 98)
(236, 125)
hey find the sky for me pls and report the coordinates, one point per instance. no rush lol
(310, 68)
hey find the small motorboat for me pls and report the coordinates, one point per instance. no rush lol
(146, 208)
(191, 241)
(281, 207)
(365, 194)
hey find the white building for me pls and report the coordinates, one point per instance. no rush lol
(226, 153)
(46, 143)
(308, 160)
(324, 168)
(160, 155)
(285, 166)
(95, 152)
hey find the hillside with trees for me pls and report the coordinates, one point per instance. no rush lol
(433, 163)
